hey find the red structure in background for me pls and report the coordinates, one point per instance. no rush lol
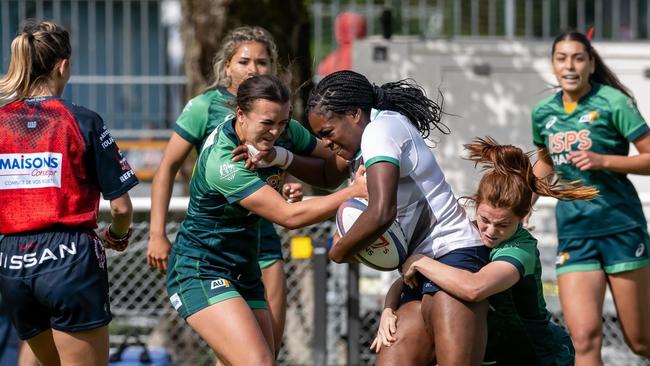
(348, 26)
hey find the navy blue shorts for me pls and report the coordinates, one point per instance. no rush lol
(56, 279)
(470, 259)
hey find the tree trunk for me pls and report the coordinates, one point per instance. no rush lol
(205, 23)
(203, 26)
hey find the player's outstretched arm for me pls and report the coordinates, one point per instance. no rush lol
(269, 204)
(321, 168)
(495, 277)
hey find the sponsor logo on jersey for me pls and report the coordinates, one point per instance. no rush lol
(589, 117)
(551, 121)
(562, 143)
(562, 257)
(32, 124)
(27, 260)
(176, 301)
(274, 181)
(639, 250)
(105, 139)
(227, 171)
(124, 177)
(215, 284)
(34, 170)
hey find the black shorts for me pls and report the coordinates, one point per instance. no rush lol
(55, 279)
(470, 259)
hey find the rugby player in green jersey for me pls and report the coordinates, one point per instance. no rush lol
(519, 328)
(213, 278)
(583, 133)
(245, 51)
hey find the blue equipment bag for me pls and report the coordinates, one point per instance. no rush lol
(136, 353)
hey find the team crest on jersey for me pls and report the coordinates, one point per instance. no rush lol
(274, 181)
(227, 171)
(562, 258)
(551, 121)
(589, 117)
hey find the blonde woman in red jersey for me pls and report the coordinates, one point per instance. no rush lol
(55, 160)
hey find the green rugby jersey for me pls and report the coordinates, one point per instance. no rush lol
(519, 326)
(216, 225)
(605, 121)
(202, 114)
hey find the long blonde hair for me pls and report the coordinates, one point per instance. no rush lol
(231, 42)
(34, 53)
(509, 181)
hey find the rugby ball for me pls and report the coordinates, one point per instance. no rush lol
(388, 252)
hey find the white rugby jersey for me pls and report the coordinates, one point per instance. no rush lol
(427, 210)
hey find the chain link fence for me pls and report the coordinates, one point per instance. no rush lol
(139, 302)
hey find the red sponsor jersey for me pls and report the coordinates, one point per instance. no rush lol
(55, 160)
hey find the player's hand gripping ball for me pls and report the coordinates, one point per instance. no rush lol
(388, 252)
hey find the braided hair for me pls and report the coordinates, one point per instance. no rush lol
(346, 91)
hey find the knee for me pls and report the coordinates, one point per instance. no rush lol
(586, 340)
(265, 359)
(640, 346)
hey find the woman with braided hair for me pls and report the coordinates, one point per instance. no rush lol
(519, 328)
(384, 128)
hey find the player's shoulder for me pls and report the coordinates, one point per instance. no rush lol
(545, 105)
(522, 239)
(81, 113)
(198, 104)
(612, 96)
(388, 122)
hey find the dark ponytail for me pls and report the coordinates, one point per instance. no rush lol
(602, 74)
(347, 91)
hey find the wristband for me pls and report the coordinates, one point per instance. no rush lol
(283, 157)
(111, 241)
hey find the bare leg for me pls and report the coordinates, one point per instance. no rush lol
(275, 287)
(53, 348)
(581, 296)
(414, 346)
(233, 332)
(45, 349)
(459, 328)
(26, 356)
(631, 292)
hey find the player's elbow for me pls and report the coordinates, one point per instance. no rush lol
(336, 257)
(339, 255)
(291, 225)
(385, 216)
(291, 222)
(472, 293)
(121, 206)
